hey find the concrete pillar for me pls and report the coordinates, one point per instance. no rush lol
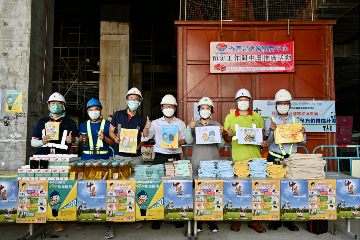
(22, 47)
(114, 66)
(137, 79)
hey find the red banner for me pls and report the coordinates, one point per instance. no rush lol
(252, 56)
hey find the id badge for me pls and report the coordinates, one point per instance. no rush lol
(52, 150)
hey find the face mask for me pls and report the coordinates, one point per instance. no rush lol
(56, 108)
(94, 114)
(168, 112)
(243, 105)
(205, 114)
(283, 109)
(133, 105)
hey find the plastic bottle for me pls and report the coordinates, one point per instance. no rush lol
(105, 170)
(89, 171)
(72, 171)
(122, 170)
(130, 167)
(114, 171)
(97, 169)
(80, 170)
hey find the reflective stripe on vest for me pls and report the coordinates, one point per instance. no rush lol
(281, 146)
(91, 142)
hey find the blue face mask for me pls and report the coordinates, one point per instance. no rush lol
(56, 108)
(133, 105)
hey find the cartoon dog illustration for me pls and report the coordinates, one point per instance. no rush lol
(296, 192)
(89, 185)
(93, 193)
(351, 191)
(347, 184)
(292, 185)
(180, 191)
(3, 196)
(176, 185)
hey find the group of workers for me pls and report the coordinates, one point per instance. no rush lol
(100, 134)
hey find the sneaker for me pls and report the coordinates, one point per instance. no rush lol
(109, 230)
(138, 225)
(199, 226)
(213, 227)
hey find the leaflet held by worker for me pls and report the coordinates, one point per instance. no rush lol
(208, 135)
(169, 134)
(251, 136)
(52, 129)
(128, 140)
(288, 133)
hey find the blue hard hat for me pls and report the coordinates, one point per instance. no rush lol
(93, 102)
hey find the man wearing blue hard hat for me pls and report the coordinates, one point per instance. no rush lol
(94, 133)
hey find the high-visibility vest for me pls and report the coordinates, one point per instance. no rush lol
(281, 146)
(91, 142)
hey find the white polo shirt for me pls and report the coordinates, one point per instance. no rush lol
(155, 130)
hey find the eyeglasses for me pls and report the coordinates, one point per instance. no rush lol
(134, 99)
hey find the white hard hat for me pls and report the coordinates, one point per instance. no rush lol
(56, 97)
(243, 93)
(168, 99)
(135, 91)
(282, 95)
(206, 101)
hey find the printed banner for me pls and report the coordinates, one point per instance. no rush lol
(208, 200)
(8, 201)
(266, 200)
(32, 202)
(120, 201)
(179, 202)
(62, 201)
(149, 200)
(294, 200)
(13, 101)
(322, 199)
(253, 136)
(316, 116)
(251, 56)
(237, 200)
(53, 129)
(208, 135)
(348, 198)
(128, 138)
(91, 201)
(169, 134)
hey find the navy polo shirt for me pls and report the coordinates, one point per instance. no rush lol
(65, 124)
(123, 118)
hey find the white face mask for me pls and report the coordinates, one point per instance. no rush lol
(94, 114)
(205, 114)
(283, 109)
(168, 112)
(243, 105)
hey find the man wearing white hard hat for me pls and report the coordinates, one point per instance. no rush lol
(243, 117)
(281, 151)
(153, 129)
(129, 118)
(204, 152)
(40, 139)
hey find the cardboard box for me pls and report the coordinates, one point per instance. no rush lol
(344, 120)
(343, 129)
(30, 173)
(55, 173)
(22, 173)
(343, 138)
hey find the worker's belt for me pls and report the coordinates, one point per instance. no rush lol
(96, 152)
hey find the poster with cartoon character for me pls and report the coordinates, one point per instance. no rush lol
(237, 200)
(178, 196)
(128, 139)
(322, 199)
(266, 200)
(8, 201)
(120, 201)
(208, 135)
(30, 199)
(52, 129)
(91, 201)
(169, 136)
(294, 200)
(348, 198)
(252, 136)
(62, 201)
(13, 101)
(208, 200)
(149, 200)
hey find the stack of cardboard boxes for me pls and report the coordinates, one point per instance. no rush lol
(52, 167)
(344, 129)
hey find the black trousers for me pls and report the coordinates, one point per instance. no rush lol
(163, 158)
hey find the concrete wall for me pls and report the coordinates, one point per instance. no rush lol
(22, 37)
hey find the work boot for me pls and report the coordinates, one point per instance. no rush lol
(291, 226)
(109, 230)
(274, 225)
(199, 226)
(59, 227)
(256, 226)
(235, 226)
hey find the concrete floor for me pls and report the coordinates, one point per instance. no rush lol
(168, 231)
